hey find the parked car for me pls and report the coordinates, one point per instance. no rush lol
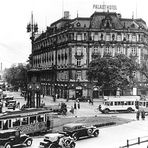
(7, 99)
(11, 104)
(57, 140)
(11, 137)
(79, 130)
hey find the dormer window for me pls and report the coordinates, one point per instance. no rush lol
(78, 24)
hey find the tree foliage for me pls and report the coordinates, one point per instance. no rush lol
(112, 72)
(16, 76)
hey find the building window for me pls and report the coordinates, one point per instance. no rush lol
(113, 37)
(79, 37)
(78, 75)
(108, 37)
(85, 36)
(118, 37)
(79, 52)
(96, 37)
(78, 62)
(134, 51)
(134, 38)
(107, 50)
(119, 50)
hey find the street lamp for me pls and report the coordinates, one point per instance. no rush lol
(34, 90)
(32, 28)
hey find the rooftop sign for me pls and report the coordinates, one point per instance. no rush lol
(105, 7)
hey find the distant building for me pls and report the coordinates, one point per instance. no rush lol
(60, 55)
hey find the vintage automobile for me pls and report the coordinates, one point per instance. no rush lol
(11, 137)
(11, 104)
(80, 130)
(7, 99)
(57, 140)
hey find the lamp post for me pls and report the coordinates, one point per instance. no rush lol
(32, 28)
(34, 90)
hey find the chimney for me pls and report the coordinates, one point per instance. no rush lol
(66, 14)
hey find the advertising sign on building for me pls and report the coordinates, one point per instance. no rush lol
(105, 7)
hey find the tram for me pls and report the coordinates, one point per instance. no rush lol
(28, 121)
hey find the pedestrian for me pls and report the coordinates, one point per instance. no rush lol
(138, 115)
(75, 106)
(92, 101)
(54, 98)
(143, 115)
(72, 110)
(78, 104)
(18, 105)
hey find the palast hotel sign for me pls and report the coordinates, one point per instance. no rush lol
(105, 7)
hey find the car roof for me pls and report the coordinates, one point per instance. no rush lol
(8, 131)
(73, 124)
(54, 135)
(9, 97)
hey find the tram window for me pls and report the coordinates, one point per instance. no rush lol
(24, 120)
(5, 124)
(40, 118)
(32, 119)
(107, 103)
(116, 103)
(122, 103)
(132, 103)
(146, 104)
(128, 103)
(111, 103)
(9, 123)
(16, 122)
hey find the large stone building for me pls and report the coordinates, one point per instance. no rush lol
(60, 55)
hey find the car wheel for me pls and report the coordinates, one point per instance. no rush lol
(29, 142)
(129, 110)
(72, 145)
(75, 137)
(8, 145)
(89, 132)
(96, 133)
(106, 111)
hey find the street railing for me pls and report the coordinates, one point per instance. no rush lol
(135, 141)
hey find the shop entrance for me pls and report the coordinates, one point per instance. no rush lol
(79, 92)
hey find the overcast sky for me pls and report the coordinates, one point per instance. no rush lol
(15, 45)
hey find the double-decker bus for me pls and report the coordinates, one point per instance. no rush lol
(28, 121)
(119, 104)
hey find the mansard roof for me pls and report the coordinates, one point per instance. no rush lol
(110, 20)
(98, 20)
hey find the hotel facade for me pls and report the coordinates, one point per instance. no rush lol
(60, 55)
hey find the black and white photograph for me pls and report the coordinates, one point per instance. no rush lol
(73, 74)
